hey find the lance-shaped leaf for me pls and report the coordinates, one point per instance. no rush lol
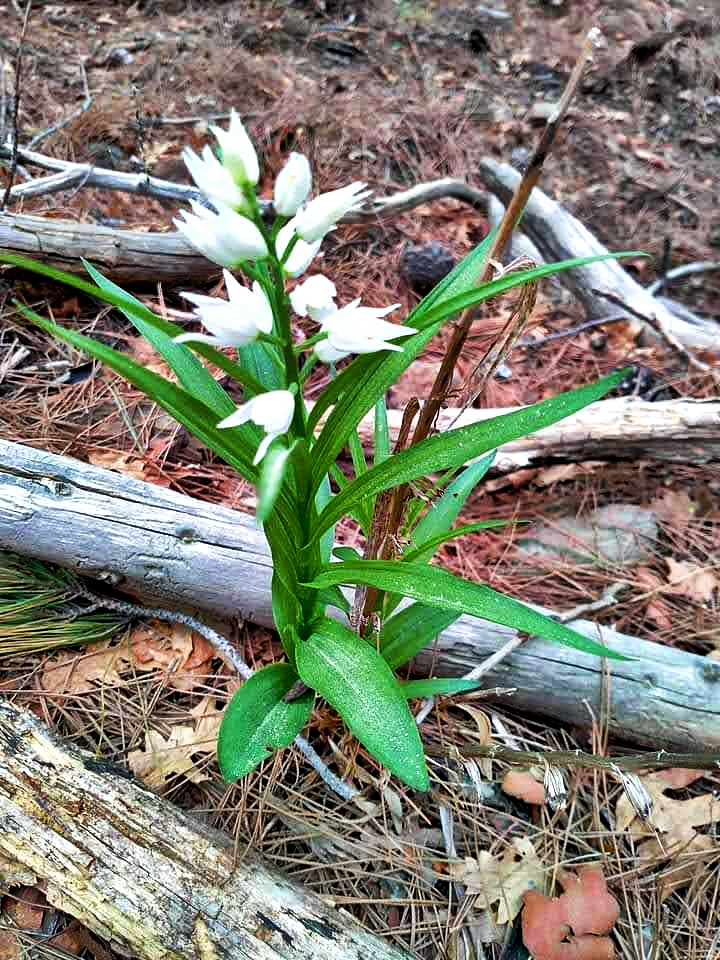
(448, 450)
(439, 588)
(410, 630)
(438, 687)
(258, 720)
(117, 297)
(357, 682)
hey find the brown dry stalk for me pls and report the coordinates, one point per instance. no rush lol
(389, 514)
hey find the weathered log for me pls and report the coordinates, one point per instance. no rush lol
(163, 547)
(156, 882)
(676, 431)
(124, 255)
(560, 236)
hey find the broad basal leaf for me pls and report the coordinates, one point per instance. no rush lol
(358, 683)
(258, 720)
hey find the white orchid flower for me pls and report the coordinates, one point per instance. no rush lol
(238, 153)
(225, 237)
(213, 179)
(292, 185)
(234, 322)
(356, 329)
(322, 213)
(273, 411)
(314, 297)
(302, 253)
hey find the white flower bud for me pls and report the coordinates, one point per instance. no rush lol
(292, 185)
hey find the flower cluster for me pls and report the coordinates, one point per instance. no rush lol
(233, 234)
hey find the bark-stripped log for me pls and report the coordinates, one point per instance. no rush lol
(560, 236)
(161, 546)
(157, 883)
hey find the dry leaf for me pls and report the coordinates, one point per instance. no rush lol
(174, 648)
(127, 463)
(559, 472)
(163, 757)
(657, 609)
(74, 673)
(673, 819)
(572, 926)
(505, 880)
(691, 581)
(674, 510)
(523, 785)
(482, 722)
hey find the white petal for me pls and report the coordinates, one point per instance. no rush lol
(263, 448)
(302, 254)
(238, 153)
(241, 415)
(200, 338)
(320, 215)
(314, 295)
(292, 185)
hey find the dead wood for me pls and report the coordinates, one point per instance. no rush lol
(124, 255)
(559, 236)
(677, 431)
(166, 548)
(156, 882)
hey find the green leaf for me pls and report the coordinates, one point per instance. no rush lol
(262, 362)
(272, 474)
(322, 498)
(445, 510)
(192, 374)
(122, 300)
(258, 720)
(334, 597)
(236, 447)
(439, 588)
(412, 629)
(357, 682)
(367, 378)
(423, 553)
(438, 687)
(446, 450)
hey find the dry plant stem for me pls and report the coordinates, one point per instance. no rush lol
(443, 380)
(686, 270)
(666, 335)
(16, 105)
(657, 760)
(385, 523)
(230, 655)
(482, 668)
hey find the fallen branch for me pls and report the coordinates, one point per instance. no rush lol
(677, 431)
(166, 548)
(560, 236)
(140, 872)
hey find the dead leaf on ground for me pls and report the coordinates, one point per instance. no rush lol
(674, 820)
(674, 509)
(657, 609)
(127, 463)
(523, 785)
(166, 757)
(174, 648)
(505, 879)
(573, 925)
(691, 581)
(76, 672)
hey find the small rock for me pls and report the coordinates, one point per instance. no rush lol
(619, 533)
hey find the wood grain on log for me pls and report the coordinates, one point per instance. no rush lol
(126, 256)
(157, 883)
(163, 547)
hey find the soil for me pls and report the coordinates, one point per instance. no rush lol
(394, 93)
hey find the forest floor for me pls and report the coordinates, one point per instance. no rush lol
(394, 93)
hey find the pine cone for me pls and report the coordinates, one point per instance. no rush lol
(423, 266)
